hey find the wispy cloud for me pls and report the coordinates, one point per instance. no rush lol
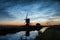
(37, 9)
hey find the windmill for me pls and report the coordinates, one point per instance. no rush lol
(27, 20)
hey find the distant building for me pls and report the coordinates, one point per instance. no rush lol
(38, 26)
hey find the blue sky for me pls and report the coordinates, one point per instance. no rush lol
(38, 10)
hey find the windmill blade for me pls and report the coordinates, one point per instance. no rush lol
(27, 15)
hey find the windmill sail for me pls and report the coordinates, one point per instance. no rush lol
(27, 15)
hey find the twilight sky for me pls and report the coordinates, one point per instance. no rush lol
(38, 10)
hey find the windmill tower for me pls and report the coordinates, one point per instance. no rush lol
(27, 20)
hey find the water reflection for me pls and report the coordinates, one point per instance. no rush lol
(19, 35)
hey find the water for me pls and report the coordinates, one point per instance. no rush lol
(19, 35)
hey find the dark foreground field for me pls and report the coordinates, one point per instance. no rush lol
(52, 33)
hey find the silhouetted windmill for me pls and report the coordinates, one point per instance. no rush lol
(27, 20)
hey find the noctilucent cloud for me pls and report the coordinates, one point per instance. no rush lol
(38, 10)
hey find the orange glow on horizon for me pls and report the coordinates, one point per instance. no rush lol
(16, 23)
(12, 23)
(23, 23)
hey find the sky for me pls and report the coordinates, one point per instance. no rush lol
(38, 10)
